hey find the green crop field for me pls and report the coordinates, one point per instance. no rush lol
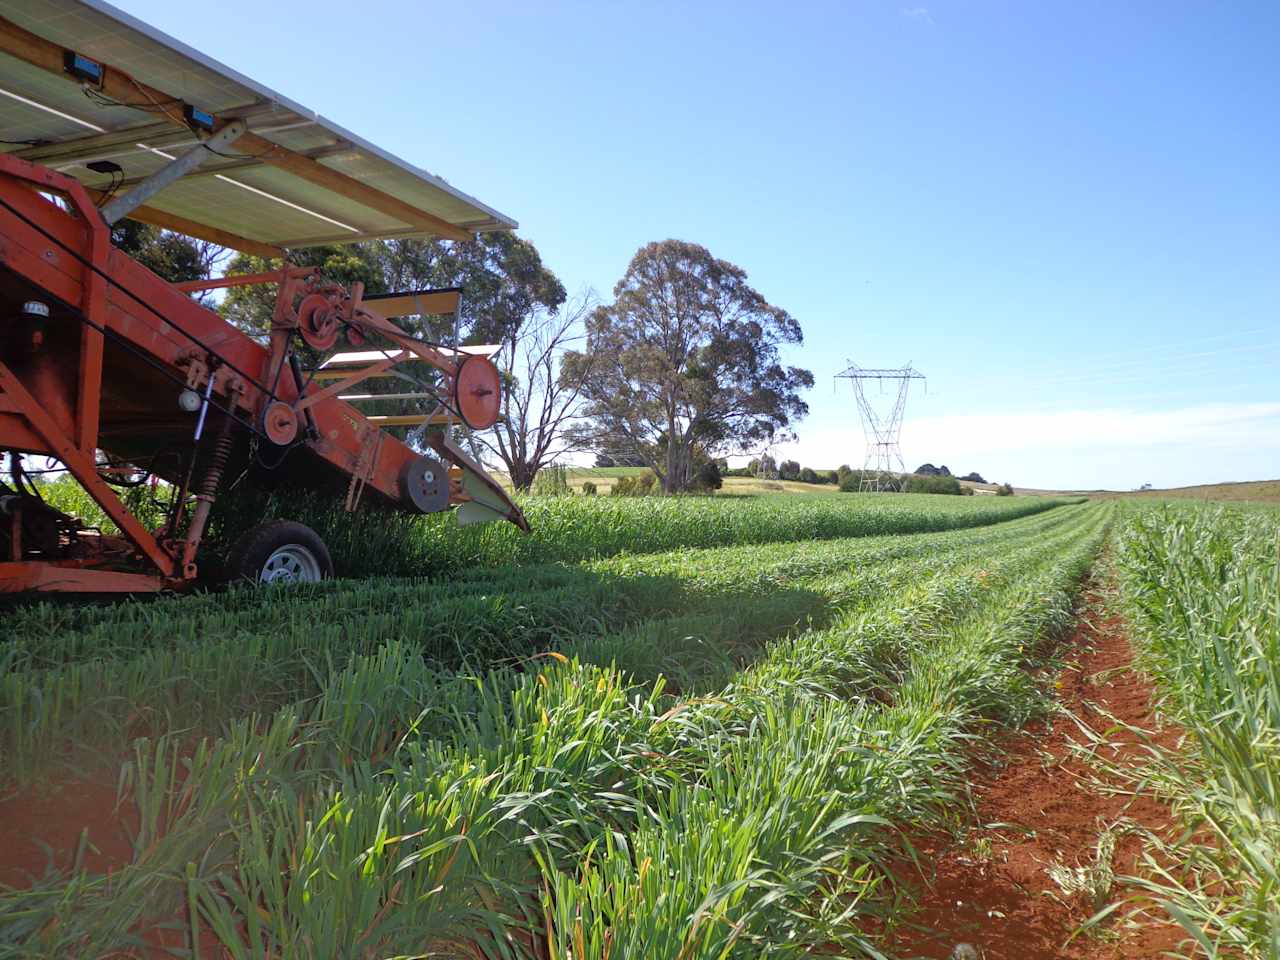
(1202, 586)
(577, 528)
(702, 727)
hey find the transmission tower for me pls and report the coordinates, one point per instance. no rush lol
(882, 467)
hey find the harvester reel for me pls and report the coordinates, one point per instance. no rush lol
(477, 392)
(280, 423)
(318, 321)
(425, 484)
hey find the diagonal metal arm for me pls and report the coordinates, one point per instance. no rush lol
(175, 170)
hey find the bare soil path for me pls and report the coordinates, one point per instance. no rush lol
(1042, 806)
(42, 828)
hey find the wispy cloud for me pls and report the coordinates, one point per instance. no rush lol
(1210, 425)
(1114, 447)
(919, 14)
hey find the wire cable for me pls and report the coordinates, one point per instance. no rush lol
(137, 299)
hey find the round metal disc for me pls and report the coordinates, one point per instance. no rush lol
(317, 322)
(279, 423)
(291, 563)
(425, 484)
(477, 391)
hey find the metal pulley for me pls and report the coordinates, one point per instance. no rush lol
(477, 392)
(425, 484)
(318, 321)
(280, 423)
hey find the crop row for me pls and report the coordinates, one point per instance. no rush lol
(89, 678)
(568, 806)
(373, 543)
(1202, 587)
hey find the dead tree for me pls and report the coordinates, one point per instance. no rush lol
(541, 399)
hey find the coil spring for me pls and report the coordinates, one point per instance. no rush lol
(217, 464)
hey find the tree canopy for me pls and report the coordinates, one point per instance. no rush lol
(686, 359)
(170, 256)
(505, 286)
(502, 278)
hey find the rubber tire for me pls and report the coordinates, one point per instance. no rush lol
(248, 554)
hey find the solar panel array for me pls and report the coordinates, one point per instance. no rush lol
(48, 117)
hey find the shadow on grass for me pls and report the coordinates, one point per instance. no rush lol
(76, 680)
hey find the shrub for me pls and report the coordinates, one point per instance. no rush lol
(852, 481)
(934, 484)
(641, 485)
(831, 476)
(789, 470)
(588, 488)
(1004, 490)
(808, 476)
(708, 477)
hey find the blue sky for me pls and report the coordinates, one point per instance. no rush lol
(1066, 214)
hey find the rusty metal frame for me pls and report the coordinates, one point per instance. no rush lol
(65, 250)
(81, 466)
(77, 453)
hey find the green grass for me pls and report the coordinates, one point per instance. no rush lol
(1202, 587)
(89, 676)
(1263, 491)
(571, 529)
(588, 473)
(705, 752)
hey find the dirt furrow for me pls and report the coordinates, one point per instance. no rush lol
(1048, 817)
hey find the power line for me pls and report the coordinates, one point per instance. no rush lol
(883, 433)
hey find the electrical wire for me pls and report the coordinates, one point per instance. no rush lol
(145, 472)
(117, 178)
(153, 105)
(241, 156)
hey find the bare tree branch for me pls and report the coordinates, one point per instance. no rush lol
(541, 398)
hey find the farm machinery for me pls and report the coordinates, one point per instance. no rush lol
(115, 376)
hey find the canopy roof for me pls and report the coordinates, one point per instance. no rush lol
(294, 180)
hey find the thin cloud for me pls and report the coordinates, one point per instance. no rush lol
(1207, 426)
(1075, 448)
(918, 14)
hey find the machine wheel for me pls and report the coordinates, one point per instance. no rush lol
(279, 551)
(425, 484)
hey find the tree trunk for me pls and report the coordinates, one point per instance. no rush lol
(522, 476)
(678, 459)
(671, 482)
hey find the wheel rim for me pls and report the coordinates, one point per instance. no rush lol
(292, 563)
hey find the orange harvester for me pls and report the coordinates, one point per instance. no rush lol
(118, 378)
(105, 367)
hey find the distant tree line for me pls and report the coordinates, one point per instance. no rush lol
(766, 468)
(929, 470)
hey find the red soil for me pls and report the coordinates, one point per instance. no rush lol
(40, 831)
(1042, 808)
(40, 828)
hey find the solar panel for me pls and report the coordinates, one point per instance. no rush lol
(295, 180)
